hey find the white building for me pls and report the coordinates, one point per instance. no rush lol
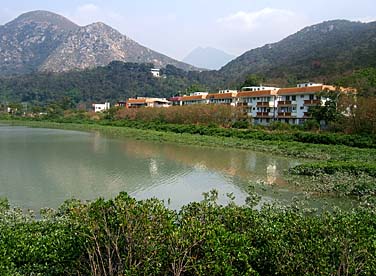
(101, 107)
(259, 105)
(155, 72)
(258, 88)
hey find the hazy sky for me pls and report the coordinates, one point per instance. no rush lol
(175, 27)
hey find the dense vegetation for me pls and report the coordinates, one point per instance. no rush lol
(114, 82)
(128, 237)
(334, 167)
(322, 53)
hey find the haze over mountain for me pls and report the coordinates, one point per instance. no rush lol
(45, 41)
(209, 58)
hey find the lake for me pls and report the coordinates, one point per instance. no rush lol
(43, 167)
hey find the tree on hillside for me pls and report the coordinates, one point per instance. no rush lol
(253, 80)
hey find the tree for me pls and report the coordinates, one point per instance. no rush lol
(328, 112)
(253, 80)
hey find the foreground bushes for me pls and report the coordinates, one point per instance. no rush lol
(128, 237)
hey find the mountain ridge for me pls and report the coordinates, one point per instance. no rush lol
(312, 53)
(45, 41)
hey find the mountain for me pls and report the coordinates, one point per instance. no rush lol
(27, 41)
(209, 58)
(44, 41)
(321, 52)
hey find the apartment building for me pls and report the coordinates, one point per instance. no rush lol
(227, 97)
(260, 105)
(195, 98)
(293, 103)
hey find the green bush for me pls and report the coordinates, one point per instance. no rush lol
(123, 236)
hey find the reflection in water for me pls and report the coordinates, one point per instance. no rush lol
(44, 167)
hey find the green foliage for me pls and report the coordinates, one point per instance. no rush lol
(253, 80)
(332, 167)
(364, 80)
(123, 236)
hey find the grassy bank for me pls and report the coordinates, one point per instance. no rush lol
(128, 237)
(286, 148)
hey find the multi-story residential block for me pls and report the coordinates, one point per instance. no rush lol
(223, 97)
(195, 98)
(293, 103)
(260, 105)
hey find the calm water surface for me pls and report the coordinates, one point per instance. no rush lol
(43, 167)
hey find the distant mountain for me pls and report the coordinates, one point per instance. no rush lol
(321, 52)
(44, 41)
(209, 58)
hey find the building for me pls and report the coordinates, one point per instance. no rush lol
(293, 103)
(101, 107)
(258, 88)
(223, 97)
(263, 104)
(155, 72)
(260, 105)
(147, 102)
(195, 98)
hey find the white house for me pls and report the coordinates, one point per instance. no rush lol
(155, 72)
(101, 107)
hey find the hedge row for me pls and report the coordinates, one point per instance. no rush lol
(128, 237)
(332, 167)
(304, 137)
(360, 141)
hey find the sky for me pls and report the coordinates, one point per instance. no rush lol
(176, 27)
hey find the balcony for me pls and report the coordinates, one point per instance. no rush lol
(307, 115)
(285, 103)
(286, 115)
(263, 115)
(264, 104)
(312, 102)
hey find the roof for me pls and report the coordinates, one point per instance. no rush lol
(260, 93)
(136, 101)
(221, 96)
(309, 89)
(193, 98)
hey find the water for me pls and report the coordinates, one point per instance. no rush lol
(43, 167)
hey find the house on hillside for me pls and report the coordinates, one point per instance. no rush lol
(155, 72)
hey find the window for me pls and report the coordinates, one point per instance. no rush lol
(302, 107)
(301, 96)
(287, 98)
(311, 97)
(294, 98)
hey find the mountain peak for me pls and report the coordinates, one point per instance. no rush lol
(208, 57)
(40, 16)
(45, 41)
